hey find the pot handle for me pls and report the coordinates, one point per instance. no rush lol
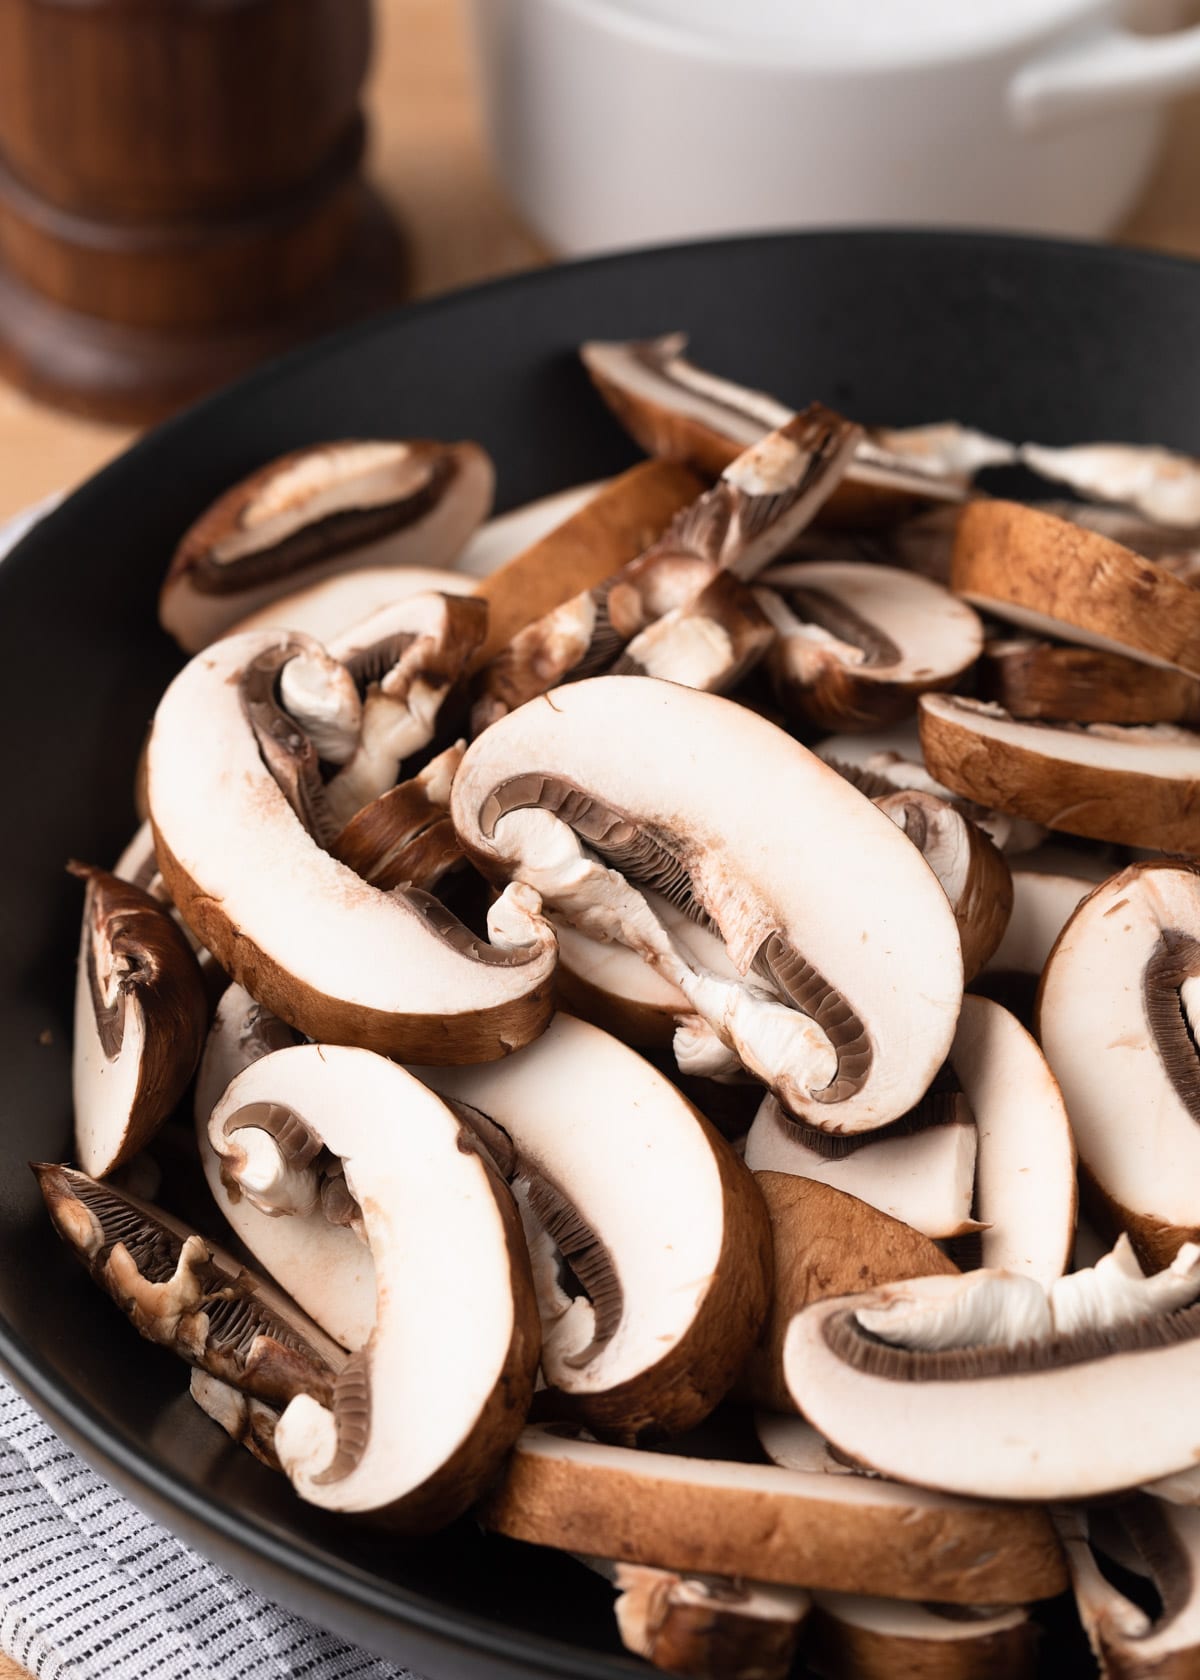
(1108, 69)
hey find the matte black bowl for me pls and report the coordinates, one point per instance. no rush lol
(1022, 338)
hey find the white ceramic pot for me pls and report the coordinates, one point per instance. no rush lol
(629, 122)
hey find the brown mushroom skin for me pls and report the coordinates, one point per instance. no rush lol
(1039, 680)
(838, 1650)
(825, 1243)
(164, 975)
(703, 1640)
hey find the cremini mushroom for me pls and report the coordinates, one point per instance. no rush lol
(857, 643)
(405, 836)
(709, 1627)
(789, 1527)
(711, 642)
(1161, 484)
(1133, 785)
(855, 1637)
(249, 1422)
(318, 1257)
(505, 535)
(141, 1011)
(1056, 579)
(1043, 904)
(335, 604)
(825, 1243)
(1162, 1542)
(312, 942)
(985, 1385)
(181, 1291)
(324, 509)
(1117, 1019)
(1031, 678)
(421, 1416)
(830, 1015)
(653, 1253)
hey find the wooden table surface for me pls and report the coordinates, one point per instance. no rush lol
(427, 156)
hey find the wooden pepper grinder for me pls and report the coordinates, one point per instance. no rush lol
(181, 193)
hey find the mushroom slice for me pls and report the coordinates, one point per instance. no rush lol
(140, 1016)
(405, 837)
(996, 1403)
(181, 1291)
(969, 866)
(608, 984)
(504, 536)
(1165, 1543)
(1036, 679)
(1161, 484)
(423, 1413)
(826, 1243)
(1117, 1016)
(858, 643)
(1176, 551)
(315, 944)
(677, 410)
(835, 1533)
(658, 1228)
(335, 604)
(764, 497)
(1135, 786)
(405, 659)
(249, 1422)
(614, 526)
(317, 511)
(854, 1637)
(318, 1257)
(921, 1173)
(1043, 904)
(1025, 1167)
(1057, 579)
(831, 1018)
(711, 642)
(707, 1626)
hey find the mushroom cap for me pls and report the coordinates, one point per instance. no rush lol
(1056, 579)
(707, 1624)
(839, 1533)
(318, 511)
(1136, 786)
(422, 1415)
(858, 642)
(705, 774)
(1118, 998)
(1036, 679)
(141, 1011)
(501, 538)
(660, 1221)
(880, 1638)
(314, 943)
(333, 605)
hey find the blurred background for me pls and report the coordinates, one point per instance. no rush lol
(500, 133)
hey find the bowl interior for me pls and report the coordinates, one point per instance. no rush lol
(1029, 340)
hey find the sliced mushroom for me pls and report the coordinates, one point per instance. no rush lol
(249, 1422)
(825, 1243)
(1056, 579)
(832, 1019)
(614, 526)
(852, 1637)
(1001, 1405)
(610, 985)
(795, 1445)
(317, 511)
(834, 1533)
(335, 604)
(1043, 904)
(141, 1011)
(711, 642)
(657, 1271)
(1135, 786)
(318, 1257)
(1176, 550)
(1036, 679)
(970, 867)
(179, 1290)
(710, 1627)
(316, 945)
(858, 643)
(921, 1173)
(1025, 1169)
(680, 412)
(1160, 483)
(422, 1414)
(1117, 1016)
(505, 535)
(765, 496)
(405, 837)
(1128, 1643)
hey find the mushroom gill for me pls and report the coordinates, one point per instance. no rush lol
(1174, 963)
